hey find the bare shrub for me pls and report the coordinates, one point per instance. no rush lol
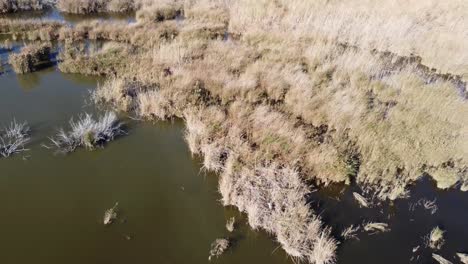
(14, 138)
(218, 247)
(88, 133)
(30, 58)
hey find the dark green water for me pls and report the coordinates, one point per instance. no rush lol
(52, 205)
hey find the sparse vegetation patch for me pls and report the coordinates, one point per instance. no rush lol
(95, 6)
(10, 6)
(31, 58)
(13, 139)
(88, 132)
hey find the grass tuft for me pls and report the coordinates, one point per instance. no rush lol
(88, 132)
(31, 58)
(14, 138)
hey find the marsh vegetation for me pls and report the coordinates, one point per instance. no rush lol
(31, 58)
(88, 132)
(13, 138)
(276, 97)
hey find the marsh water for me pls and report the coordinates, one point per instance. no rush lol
(52, 205)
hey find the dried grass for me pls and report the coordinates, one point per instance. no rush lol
(374, 228)
(88, 133)
(13, 139)
(11, 6)
(463, 257)
(440, 259)
(30, 58)
(435, 239)
(230, 224)
(95, 6)
(218, 247)
(350, 232)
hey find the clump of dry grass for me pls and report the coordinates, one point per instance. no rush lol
(88, 133)
(374, 227)
(429, 205)
(463, 257)
(350, 232)
(110, 215)
(13, 139)
(440, 259)
(363, 202)
(218, 247)
(158, 11)
(435, 239)
(230, 224)
(10, 6)
(31, 29)
(31, 58)
(274, 200)
(95, 6)
(104, 61)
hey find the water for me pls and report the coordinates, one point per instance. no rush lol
(52, 205)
